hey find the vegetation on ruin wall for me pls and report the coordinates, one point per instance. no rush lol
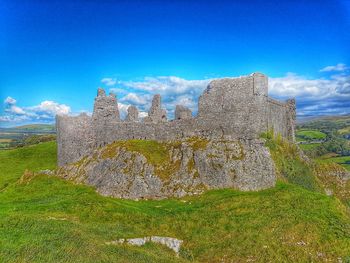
(197, 143)
(47, 219)
(315, 175)
(156, 153)
(288, 162)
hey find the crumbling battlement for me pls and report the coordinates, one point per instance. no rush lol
(237, 108)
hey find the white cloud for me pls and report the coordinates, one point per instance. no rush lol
(109, 81)
(44, 112)
(50, 108)
(317, 96)
(174, 90)
(11, 108)
(169, 85)
(136, 99)
(118, 91)
(143, 114)
(123, 109)
(16, 110)
(10, 100)
(338, 67)
(13, 118)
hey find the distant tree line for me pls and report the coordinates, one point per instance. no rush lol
(32, 139)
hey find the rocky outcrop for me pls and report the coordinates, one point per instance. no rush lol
(156, 113)
(182, 113)
(143, 169)
(170, 242)
(133, 114)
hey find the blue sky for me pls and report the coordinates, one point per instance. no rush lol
(54, 54)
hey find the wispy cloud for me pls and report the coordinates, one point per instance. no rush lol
(10, 101)
(109, 81)
(338, 67)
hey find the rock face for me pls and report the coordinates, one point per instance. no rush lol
(156, 113)
(133, 114)
(182, 113)
(141, 169)
(170, 242)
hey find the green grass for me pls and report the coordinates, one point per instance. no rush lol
(310, 135)
(156, 153)
(309, 146)
(37, 157)
(4, 145)
(345, 130)
(342, 160)
(290, 167)
(47, 219)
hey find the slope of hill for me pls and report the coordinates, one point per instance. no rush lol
(46, 219)
(36, 157)
(326, 139)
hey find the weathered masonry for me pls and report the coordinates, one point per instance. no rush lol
(237, 108)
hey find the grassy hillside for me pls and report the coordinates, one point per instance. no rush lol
(46, 219)
(334, 131)
(310, 135)
(26, 134)
(36, 157)
(330, 124)
(342, 160)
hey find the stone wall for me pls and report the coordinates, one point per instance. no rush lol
(74, 138)
(281, 118)
(235, 107)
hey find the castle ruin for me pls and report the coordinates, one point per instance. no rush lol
(238, 108)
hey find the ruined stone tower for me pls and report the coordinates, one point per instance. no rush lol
(236, 108)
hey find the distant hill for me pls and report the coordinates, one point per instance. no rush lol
(31, 128)
(36, 127)
(19, 135)
(323, 118)
(340, 123)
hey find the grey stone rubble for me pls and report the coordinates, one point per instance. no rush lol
(170, 242)
(232, 115)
